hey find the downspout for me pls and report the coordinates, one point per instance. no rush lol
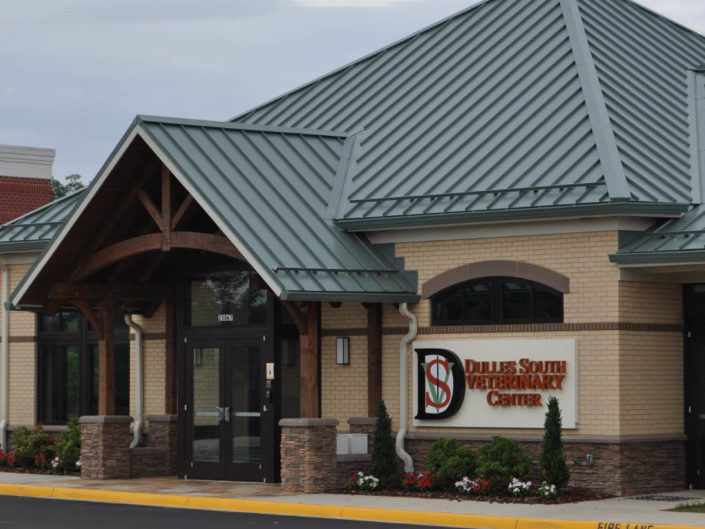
(404, 388)
(139, 384)
(4, 356)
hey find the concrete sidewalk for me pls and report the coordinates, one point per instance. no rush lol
(628, 512)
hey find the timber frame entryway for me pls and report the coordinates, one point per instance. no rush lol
(236, 359)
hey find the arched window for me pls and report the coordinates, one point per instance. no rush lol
(493, 300)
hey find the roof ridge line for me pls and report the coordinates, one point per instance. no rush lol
(240, 126)
(365, 57)
(600, 123)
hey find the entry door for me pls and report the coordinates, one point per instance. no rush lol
(695, 384)
(229, 414)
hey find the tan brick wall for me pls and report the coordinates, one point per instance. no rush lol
(153, 365)
(650, 302)
(617, 370)
(22, 360)
(651, 383)
(583, 257)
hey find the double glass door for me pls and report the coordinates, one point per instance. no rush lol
(695, 384)
(229, 415)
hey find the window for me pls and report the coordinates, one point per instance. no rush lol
(67, 368)
(493, 300)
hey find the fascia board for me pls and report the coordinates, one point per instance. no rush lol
(352, 297)
(675, 257)
(547, 213)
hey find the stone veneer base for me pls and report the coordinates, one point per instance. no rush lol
(308, 459)
(104, 446)
(621, 468)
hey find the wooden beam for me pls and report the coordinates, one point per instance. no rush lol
(166, 208)
(106, 361)
(64, 291)
(153, 242)
(181, 212)
(309, 403)
(170, 362)
(374, 357)
(87, 311)
(151, 208)
(298, 315)
(116, 216)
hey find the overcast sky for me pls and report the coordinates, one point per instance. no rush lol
(76, 72)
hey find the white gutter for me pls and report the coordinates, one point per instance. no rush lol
(404, 387)
(4, 356)
(139, 383)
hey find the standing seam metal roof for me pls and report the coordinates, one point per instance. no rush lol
(33, 230)
(487, 112)
(271, 188)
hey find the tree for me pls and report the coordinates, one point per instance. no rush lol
(384, 459)
(553, 467)
(73, 183)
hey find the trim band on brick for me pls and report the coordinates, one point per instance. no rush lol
(104, 419)
(306, 423)
(521, 327)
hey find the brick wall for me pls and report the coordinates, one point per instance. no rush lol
(154, 364)
(21, 195)
(23, 360)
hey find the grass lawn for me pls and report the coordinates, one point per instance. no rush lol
(693, 507)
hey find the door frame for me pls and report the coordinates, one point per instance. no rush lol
(223, 336)
(693, 384)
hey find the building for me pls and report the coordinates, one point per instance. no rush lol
(503, 206)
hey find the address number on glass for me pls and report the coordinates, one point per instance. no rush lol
(225, 317)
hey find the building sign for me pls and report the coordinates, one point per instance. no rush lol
(494, 383)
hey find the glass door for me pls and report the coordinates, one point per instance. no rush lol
(695, 384)
(230, 414)
(205, 415)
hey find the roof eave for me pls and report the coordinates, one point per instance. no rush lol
(642, 258)
(351, 297)
(28, 246)
(426, 220)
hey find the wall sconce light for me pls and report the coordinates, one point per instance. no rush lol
(342, 350)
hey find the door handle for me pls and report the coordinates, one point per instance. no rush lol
(221, 413)
(227, 414)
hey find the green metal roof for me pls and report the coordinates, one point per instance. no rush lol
(511, 108)
(680, 240)
(33, 230)
(269, 190)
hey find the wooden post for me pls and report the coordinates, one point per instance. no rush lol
(170, 371)
(106, 361)
(309, 364)
(374, 357)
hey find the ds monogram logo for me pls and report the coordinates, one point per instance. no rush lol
(441, 383)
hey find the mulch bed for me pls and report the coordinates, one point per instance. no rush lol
(23, 470)
(566, 495)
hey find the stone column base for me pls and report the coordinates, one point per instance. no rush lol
(164, 433)
(105, 441)
(308, 458)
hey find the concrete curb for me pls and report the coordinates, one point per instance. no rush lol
(317, 511)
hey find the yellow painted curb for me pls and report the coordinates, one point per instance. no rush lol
(318, 511)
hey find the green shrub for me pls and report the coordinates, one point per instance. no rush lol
(29, 444)
(69, 447)
(384, 458)
(553, 467)
(501, 460)
(451, 461)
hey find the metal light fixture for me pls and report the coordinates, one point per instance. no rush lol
(342, 350)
